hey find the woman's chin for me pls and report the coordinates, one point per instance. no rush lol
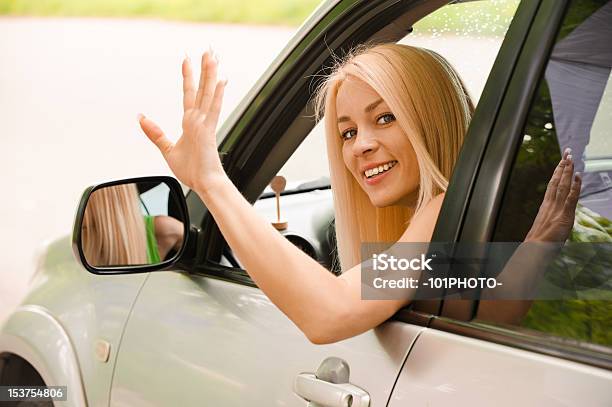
(381, 201)
(385, 201)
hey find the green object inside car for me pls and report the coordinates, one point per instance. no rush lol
(579, 318)
(152, 251)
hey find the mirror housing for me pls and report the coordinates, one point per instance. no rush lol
(135, 225)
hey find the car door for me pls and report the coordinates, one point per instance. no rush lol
(208, 335)
(560, 351)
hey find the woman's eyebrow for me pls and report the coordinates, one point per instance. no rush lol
(368, 109)
(373, 105)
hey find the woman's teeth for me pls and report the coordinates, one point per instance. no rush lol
(381, 168)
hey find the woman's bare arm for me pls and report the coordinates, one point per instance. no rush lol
(325, 307)
(366, 314)
(168, 233)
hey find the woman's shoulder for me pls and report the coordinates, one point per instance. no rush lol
(430, 210)
(167, 226)
(435, 204)
(423, 223)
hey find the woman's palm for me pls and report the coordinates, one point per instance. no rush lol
(194, 158)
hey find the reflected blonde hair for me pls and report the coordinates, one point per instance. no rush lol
(432, 107)
(113, 231)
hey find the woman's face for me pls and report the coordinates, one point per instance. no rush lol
(375, 149)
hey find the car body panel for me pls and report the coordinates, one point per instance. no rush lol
(67, 311)
(447, 369)
(34, 334)
(213, 342)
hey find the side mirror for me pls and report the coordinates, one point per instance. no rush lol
(132, 225)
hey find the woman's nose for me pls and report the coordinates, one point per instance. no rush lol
(364, 144)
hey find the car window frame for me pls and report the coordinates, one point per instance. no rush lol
(245, 158)
(480, 131)
(492, 181)
(260, 140)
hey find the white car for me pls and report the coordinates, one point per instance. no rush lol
(194, 330)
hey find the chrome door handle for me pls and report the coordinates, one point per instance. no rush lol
(321, 393)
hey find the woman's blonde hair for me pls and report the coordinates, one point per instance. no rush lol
(431, 105)
(113, 231)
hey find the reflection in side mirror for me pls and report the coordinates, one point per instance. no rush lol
(129, 223)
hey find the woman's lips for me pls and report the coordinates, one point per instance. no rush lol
(379, 177)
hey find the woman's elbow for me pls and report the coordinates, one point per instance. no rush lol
(347, 321)
(320, 337)
(334, 327)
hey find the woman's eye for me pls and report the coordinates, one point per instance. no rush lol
(348, 134)
(385, 118)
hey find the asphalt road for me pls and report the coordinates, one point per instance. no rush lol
(70, 90)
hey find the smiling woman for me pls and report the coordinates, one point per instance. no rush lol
(386, 117)
(392, 106)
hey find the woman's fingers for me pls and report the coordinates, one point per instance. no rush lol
(572, 198)
(565, 182)
(155, 134)
(203, 64)
(551, 190)
(211, 83)
(208, 80)
(553, 184)
(213, 114)
(189, 92)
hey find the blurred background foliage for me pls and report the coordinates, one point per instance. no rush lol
(288, 12)
(483, 21)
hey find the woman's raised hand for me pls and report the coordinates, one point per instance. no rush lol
(194, 158)
(555, 217)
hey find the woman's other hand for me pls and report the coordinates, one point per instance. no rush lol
(194, 158)
(555, 217)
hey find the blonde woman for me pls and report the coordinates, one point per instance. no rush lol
(395, 118)
(113, 231)
(116, 233)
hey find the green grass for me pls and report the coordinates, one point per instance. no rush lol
(473, 19)
(289, 12)
(478, 18)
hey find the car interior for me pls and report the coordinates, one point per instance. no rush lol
(308, 205)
